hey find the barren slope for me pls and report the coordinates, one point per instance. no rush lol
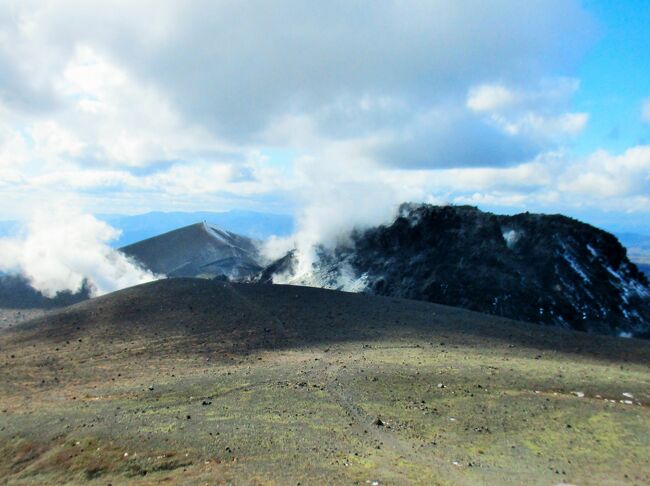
(198, 250)
(188, 381)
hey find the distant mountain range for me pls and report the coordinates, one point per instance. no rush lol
(549, 269)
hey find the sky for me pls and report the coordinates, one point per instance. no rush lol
(332, 111)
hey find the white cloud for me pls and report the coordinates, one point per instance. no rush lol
(553, 127)
(137, 83)
(610, 176)
(123, 121)
(546, 95)
(491, 97)
(536, 114)
(552, 182)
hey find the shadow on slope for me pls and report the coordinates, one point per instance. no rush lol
(217, 319)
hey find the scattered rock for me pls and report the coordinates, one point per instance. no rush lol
(378, 422)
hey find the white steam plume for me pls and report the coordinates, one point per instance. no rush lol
(336, 199)
(61, 250)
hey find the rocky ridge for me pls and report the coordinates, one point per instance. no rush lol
(547, 269)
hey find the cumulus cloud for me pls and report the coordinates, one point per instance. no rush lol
(535, 114)
(236, 67)
(62, 250)
(146, 84)
(553, 182)
(611, 176)
(491, 97)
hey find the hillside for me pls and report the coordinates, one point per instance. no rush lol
(191, 381)
(198, 250)
(547, 269)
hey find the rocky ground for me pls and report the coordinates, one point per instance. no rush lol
(195, 382)
(12, 317)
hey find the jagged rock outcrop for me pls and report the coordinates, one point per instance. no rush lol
(548, 269)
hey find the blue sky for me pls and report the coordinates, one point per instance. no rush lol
(334, 112)
(614, 77)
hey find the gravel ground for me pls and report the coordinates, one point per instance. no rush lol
(11, 317)
(195, 382)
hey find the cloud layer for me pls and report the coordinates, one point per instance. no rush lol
(114, 99)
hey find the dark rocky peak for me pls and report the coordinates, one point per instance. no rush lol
(198, 250)
(548, 269)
